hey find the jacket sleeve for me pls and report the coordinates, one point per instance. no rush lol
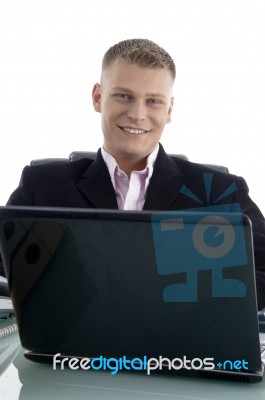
(258, 224)
(23, 195)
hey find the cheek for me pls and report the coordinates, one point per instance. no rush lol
(106, 113)
(112, 111)
(160, 117)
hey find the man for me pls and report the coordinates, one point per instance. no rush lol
(132, 170)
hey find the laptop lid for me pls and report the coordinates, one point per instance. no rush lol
(110, 283)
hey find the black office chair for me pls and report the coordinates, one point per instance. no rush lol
(76, 155)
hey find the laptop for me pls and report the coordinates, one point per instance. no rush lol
(172, 291)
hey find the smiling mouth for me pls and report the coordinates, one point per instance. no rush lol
(133, 131)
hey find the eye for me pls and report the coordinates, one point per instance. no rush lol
(122, 96)
(154, 102)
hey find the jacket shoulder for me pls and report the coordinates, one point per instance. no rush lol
(51, 184)
(197, 173)
(186, 166)
(61, 169)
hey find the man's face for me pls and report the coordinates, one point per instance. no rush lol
(135, 104)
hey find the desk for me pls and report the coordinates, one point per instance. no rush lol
(25, 380)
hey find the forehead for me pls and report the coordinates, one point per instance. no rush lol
(133, 77)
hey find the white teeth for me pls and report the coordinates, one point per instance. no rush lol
(134, 131)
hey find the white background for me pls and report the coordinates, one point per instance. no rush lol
(50, 57)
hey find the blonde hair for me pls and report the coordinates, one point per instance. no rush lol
(142, 52)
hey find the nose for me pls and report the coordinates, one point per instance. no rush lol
(137, 111)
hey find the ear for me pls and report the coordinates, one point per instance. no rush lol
(96, 97)
(170, 108)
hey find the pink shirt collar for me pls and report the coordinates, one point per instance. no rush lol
(130, 193)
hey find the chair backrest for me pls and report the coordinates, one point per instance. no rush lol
(76, 155)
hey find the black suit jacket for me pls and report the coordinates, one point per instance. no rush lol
(86, 183)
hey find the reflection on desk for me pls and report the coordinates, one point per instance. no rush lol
(39, 381)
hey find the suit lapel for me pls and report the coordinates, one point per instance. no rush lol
(96, 185)
(163, 188)
(165, 183)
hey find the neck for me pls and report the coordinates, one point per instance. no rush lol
(131, 165)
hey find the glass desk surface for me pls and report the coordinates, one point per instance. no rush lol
(23, 379)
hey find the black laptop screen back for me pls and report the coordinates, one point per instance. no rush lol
(97, 283)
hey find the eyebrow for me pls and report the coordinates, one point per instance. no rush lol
(130, 92)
